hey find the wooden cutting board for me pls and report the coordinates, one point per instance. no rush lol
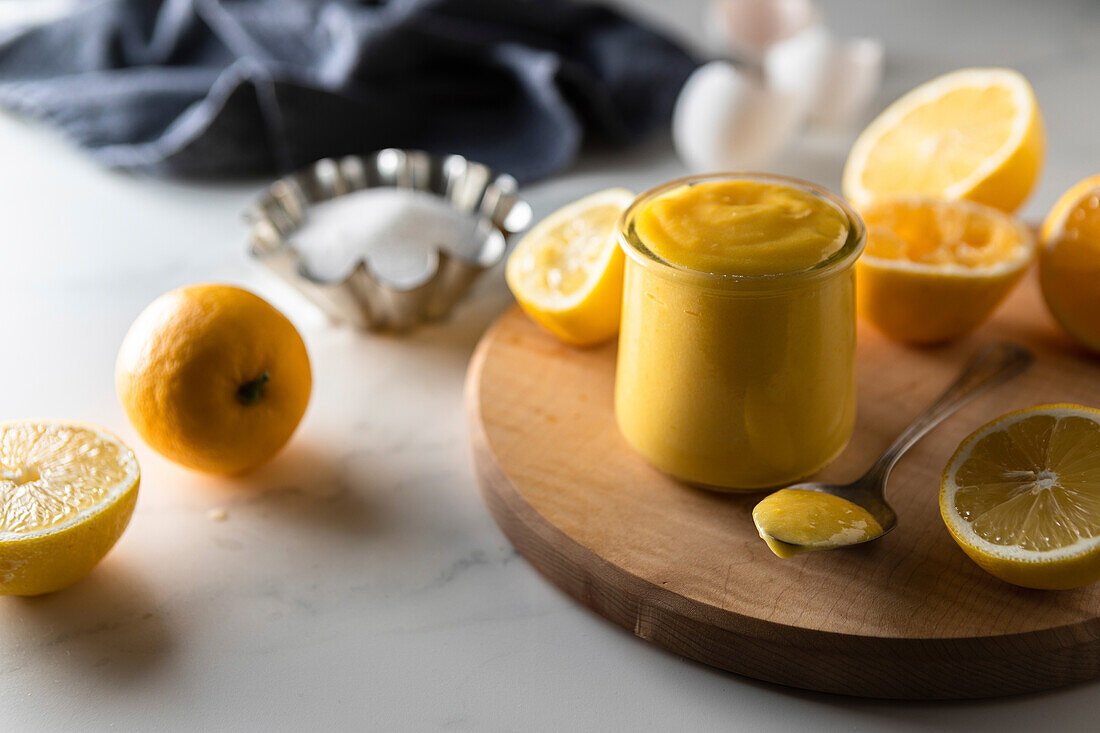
(908, 616)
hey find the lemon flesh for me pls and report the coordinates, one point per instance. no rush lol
(935, 270)
(67, 492)
(567, 272)
(1021, 496)
(742, 227)
(1069, 262)
(972, 134)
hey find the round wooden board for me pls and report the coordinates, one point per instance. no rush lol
(908, 616)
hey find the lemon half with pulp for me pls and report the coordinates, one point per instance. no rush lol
(567, 272)
(67, 492)
(1021, 496)
(935, 270)
(972, 134)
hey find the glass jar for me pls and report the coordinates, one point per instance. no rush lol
(737, 382)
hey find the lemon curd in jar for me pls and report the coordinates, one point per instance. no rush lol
(737, 346)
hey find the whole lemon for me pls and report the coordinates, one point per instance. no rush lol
(214, 378)
(1069, 262)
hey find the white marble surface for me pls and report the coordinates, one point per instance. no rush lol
(358, 583)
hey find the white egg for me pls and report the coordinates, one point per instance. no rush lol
(834, 79)
(856, 78)
(746, 29)
(799, 65)
(727, 120)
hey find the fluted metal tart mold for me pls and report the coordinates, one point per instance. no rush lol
(363, 297)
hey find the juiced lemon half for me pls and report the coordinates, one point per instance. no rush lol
(67, 492)
(934, 270)
(1069, 262)
(1021, 496)
(567, 272)
(972, 134)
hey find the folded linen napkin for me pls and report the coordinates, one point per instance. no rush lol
(214, 88)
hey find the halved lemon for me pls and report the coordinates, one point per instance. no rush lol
(1021, 496)
(67, 492)
(1069, 262)
(935, 270)
(972, 134)
(567, 272)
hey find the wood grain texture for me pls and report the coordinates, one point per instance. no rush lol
(908, 616)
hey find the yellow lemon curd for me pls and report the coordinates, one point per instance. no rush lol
(737, 343)
(742, 227)
(796, 520)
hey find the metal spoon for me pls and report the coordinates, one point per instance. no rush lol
(994, 364)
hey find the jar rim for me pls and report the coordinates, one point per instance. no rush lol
(637, 250)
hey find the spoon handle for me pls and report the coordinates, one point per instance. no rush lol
(994, 364)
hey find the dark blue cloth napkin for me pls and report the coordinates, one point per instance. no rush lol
(213, 88)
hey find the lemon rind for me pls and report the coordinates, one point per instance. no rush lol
(1006, 267)
(962, 529)
(927, 92)
(116, 492)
